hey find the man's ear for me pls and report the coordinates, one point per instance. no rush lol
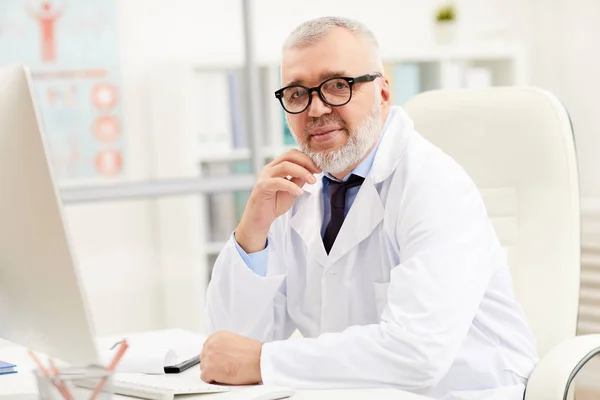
(386, 91)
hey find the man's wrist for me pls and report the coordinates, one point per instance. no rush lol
(250, 242)
(258, 367)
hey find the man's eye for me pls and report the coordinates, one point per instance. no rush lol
(298, 93)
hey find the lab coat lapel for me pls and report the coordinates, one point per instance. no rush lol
(308, 219)
(364, 215)
(368, 211)
(392, 146)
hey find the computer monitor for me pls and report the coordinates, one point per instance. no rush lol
(42, 303)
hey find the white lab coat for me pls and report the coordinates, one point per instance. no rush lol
(415, 293)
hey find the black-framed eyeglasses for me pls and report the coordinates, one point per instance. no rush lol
(335, 92)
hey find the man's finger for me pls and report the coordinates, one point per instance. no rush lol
(206, 376)
(209, 340)
(281, 184)
(289, 168)
(299, 181)
(297, 157)
(204, 363)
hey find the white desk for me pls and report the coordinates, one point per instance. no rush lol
(16, 386)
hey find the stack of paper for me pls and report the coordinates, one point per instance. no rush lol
(151, 352)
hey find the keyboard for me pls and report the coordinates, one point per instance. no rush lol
(160, 387)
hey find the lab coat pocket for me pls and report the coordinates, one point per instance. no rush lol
(380, 289)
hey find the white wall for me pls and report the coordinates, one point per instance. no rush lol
(119, 245)
(565, 59)
(396, 23)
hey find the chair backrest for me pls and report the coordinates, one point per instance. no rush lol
(517, 145)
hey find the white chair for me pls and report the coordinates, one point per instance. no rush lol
(517, 144)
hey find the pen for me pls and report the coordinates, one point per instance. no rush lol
(64, 387)
(47, 374)
(113, 364)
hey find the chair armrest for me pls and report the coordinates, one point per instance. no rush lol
(552, 376)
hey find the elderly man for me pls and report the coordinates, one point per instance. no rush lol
(370, 242)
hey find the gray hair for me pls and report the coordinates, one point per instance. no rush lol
(310, 32)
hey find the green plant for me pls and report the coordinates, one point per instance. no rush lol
(446, 13)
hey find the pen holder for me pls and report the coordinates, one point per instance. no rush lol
(82, 383)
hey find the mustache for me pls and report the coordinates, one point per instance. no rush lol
(327, 119)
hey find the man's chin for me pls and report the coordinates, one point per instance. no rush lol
(329, 166)
(325, 149)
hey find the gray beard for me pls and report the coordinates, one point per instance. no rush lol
(360, 141)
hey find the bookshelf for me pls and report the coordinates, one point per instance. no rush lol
(201, 105)
(434, 68)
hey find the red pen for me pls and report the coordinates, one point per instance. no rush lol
(111, 368)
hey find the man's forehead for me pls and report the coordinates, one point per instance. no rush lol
(309, 78)
(339, 52)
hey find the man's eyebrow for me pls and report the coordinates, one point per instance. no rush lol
(331, 74)
(322, 77)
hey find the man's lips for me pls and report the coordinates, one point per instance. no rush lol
(325, 135)
(324, 130)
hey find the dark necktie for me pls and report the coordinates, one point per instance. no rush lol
(337, 192)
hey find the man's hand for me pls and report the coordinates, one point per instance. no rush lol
(231, 359)
(279, 184)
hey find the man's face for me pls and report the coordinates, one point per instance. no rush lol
(336, 137)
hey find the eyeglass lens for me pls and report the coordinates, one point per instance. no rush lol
(335, 91)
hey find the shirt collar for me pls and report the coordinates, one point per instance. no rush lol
(365, 165)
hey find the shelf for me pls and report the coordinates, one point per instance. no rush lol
(241, 154)
(454, 53)
(157, 189)
(233, 155)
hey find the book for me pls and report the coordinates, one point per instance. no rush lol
(237, 113)
(452, 75)
(210, 110)
(7, 368)
(272, 117)
(478, 77)
(221, 213)
(407, 80)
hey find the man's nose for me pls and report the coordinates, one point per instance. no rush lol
(317, 106)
